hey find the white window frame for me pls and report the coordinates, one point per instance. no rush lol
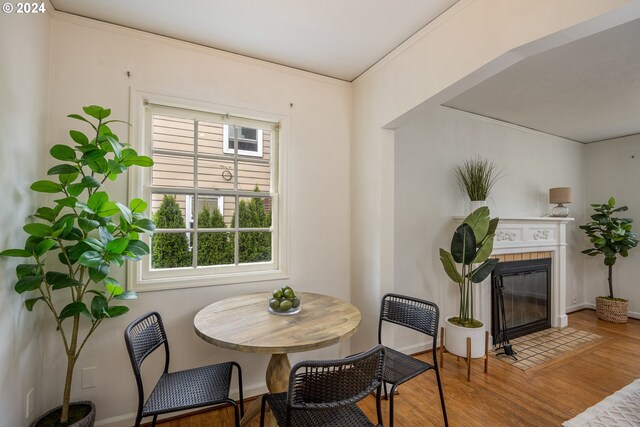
(140, 276)
(228, 150)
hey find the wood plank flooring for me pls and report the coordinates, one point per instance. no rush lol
(505, 396)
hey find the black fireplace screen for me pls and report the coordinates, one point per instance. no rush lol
(526, 288)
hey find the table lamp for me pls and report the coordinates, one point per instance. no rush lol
(560, 195)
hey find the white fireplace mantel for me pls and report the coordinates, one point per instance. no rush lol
(531, 234)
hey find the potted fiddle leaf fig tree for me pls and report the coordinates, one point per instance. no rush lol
(75, 241)
(471, 246)
(610, 236)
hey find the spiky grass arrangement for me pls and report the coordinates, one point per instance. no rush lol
(477, 177)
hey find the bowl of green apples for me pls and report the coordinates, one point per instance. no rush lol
(284, 301)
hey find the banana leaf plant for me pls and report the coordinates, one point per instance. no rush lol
(610, 235)
(471, 246)
(73, 243)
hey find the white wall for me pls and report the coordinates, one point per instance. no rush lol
(470, 42)
(613, 169)
(427, 194)
(89, 65)
(24, 71)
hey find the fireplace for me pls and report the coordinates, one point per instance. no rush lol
(526, 291)
(530, 238)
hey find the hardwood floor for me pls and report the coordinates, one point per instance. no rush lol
(505, 396)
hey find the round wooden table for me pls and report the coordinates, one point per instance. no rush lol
(243, 323)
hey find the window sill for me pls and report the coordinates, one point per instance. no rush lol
(166, 283)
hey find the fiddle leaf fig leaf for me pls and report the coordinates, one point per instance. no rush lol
(91, 259)
(113, 287)
(29, 283)
(99, 273)
(138, 206)
(91, 182)
(17, 253)
(126, 212)
(46, 187)
(107, 209)
(44, 246)
(97, 199)
(117, 246)
(117, 310)
(97, 112)
(31, 302)
(63, 152)
(72, 309)
(24, 270)
(127, 295)
(63, 169)
(79, 117)
(99, 306)
(38, 230)
(79, 137)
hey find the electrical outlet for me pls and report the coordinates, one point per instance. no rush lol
(89, 377)
(575, 299)
(29, 403)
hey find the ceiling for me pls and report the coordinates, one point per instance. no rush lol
(336, 38)
(587, 90)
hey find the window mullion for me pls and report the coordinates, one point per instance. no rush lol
(194, 249)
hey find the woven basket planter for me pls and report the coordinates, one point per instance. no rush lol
(614, 311)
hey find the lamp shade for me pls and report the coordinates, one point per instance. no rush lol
(560, 195)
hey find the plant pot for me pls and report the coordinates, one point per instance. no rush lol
(475, 204)
(612, 310)
(456, 340)
(52, 417)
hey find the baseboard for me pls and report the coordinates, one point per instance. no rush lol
(592, 306)
(578, 307)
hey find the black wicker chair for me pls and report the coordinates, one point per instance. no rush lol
(421, 316)
(176, 391)
(326, 393)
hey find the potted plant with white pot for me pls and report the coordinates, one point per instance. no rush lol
(611, 236)
(468, 263)
(476, 178)
(72, 245)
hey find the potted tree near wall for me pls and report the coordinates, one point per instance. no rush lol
(610, 236)
(476, 178)
(74, 242)
(466, 264)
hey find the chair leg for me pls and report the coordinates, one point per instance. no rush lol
(262, 409)
(391, 393)
(155, 418)
(236, 413)
(138, 419)
(444, 410)
(240, 389)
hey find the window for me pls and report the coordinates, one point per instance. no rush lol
(249, 140)
(214, 199)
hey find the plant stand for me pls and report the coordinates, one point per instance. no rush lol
(467, 359)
